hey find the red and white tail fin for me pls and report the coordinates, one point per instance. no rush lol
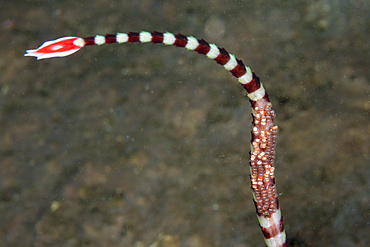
(57, 48)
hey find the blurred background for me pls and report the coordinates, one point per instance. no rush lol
(147, 145)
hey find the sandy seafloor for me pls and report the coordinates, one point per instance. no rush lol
(146, 145)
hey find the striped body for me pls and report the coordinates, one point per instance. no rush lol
(264, 130)
(236, 67)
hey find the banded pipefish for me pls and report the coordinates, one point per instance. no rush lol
(264, 131)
